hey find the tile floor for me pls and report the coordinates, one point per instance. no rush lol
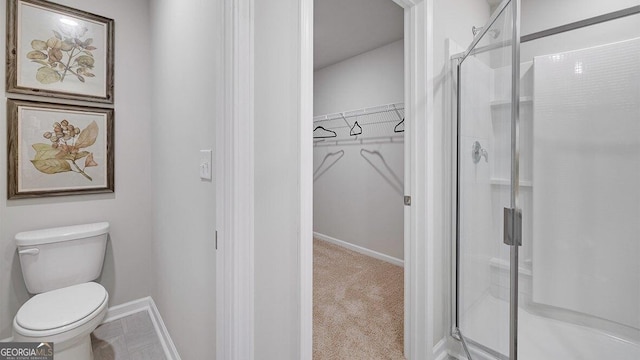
(130, 338)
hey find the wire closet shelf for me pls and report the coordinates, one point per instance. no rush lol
(384, 122)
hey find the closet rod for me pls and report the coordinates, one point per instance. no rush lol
(359, 141)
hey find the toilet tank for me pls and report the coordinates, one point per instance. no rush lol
(60, 257)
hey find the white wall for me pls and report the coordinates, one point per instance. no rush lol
(277, 219)
(353, 200)
(127, 273)
(369, 79)
(187, 79)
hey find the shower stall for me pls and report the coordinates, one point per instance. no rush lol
(546, 238)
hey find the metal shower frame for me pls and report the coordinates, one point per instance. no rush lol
(513, 215)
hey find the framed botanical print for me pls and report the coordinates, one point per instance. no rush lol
(59, 149)
(58, 51)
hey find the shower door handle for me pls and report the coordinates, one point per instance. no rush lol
(512, 230)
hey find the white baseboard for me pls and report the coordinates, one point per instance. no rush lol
(126, 309)
(163, 332)
(359, 249)
(146, 304)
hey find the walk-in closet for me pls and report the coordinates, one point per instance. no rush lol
(358, 180)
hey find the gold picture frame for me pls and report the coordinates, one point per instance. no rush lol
(57, 51)
(56, 150)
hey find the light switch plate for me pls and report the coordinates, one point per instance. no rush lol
(206, 164)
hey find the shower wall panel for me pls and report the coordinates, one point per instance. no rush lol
(586, 174)
(475, 217)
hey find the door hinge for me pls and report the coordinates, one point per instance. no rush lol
(216, 239)
(407, 200)
(512, 227)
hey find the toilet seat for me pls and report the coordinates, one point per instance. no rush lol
(61, 310)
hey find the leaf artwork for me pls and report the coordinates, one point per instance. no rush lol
(66, 52)
(67, 142)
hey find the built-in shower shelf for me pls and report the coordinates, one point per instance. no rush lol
(507, 182)
(523, 100)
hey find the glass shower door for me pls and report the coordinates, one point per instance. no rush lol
(487, 224)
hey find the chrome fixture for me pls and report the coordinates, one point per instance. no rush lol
(493, 32)
(477, 153)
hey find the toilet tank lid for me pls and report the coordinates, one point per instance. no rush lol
(66, 233)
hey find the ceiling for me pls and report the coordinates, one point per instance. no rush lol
(346, 28)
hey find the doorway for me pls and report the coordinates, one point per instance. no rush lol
(358, 179)
(235, 297)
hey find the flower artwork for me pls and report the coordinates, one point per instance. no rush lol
(66, 149)
(57, 149)
(58, 51)
(64, 53)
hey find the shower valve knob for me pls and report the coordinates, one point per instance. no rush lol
(477, 153)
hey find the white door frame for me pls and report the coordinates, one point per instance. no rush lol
(234, 185)
(418, 244)
(419, 178)
(235, 189)
(305, 166)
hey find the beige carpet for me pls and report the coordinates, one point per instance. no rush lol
(357, 305)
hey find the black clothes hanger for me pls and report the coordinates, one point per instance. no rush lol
(395, 129)
(356, 129)
(323, 133)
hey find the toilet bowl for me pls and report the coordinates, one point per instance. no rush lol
(65, 317)
(58, 265)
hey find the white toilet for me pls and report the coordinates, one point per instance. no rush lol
(59, 265)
